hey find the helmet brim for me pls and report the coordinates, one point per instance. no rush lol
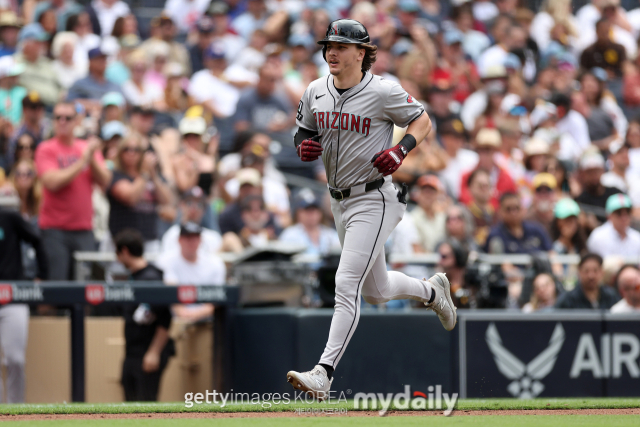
(338, 39)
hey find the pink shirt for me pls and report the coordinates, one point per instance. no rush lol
(70, 207)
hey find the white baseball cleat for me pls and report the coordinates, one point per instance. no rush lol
(442, 304)
(316, 382)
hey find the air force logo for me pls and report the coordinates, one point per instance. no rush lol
(526, 378)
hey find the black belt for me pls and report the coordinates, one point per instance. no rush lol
(369, 186)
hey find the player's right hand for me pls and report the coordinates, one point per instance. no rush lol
(310, 149)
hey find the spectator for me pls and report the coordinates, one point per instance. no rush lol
(112, 134)
(113, 106)
(570, 121)
(190, 267)
(483, 214)
(602, 131)
(14, 318)
(192, 208)
(543, 297)
(217, 87)
(256, 230)
(252, 56)
(205, 39)
(67, 65)
(90, 90)
(139, 90)
(10, 26)
(136, 191)
(254, 18)
(488, 142)
(496, 54)
(11, 94)
(474, 42)
(593, 84)
(25, 149)
(428, 217)
(192, 166)
(455, 66)
(619, 176)
(68, 168)
(459, 228)
(185, 13)
(616, 237)
(24, 179)
(166, 32)
(594, 195)
(441, 102)
(231, 42)
(459, 159)
(33, 125)
(453, 262)
(106, 12)
(604, 53)
(308, 230)
(544, 198)
(80, 24)
(39, 74)
(589, 293)
(628, 284)
(146, 327)
(513, 235)
(567, 233)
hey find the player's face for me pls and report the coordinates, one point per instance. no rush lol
(344, 58)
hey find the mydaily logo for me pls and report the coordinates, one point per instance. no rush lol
(416, 401)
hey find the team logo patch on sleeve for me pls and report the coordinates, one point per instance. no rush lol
(409, 99)
(299, 115)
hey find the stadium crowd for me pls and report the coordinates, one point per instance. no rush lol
(106, 126)
(176, 138)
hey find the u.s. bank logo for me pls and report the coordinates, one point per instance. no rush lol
(526, 379)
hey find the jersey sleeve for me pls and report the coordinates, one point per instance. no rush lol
(400, 107)
(304, 116)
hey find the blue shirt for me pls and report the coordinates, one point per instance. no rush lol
(534, 239)
(89, 88)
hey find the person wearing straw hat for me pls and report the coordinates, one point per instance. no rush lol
(616, 237)
(10, 26)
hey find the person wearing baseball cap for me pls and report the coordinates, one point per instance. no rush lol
(594, 195)
(569, 236)
(90, 90)
(39, 74)
(205, 29)
(488, 142)
(428, 217)
(113, 105)
(194, 165)
(308, 229)
(616, 237)
(544, 197)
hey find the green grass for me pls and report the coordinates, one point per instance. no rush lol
(478, 421)
(467, 404)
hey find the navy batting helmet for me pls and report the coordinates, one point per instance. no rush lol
(344, 31)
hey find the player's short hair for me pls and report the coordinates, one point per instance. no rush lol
(370, 53)
(131, 239)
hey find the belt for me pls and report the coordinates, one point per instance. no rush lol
(369, 186)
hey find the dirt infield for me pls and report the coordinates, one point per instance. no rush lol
(40, 417)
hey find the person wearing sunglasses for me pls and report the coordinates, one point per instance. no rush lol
(628, 284)
(68, 168)
(136, 192)
(514, 235)
(616, 237)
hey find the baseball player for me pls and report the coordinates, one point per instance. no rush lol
(347, 119)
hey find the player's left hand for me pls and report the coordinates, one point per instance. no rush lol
(388, 161)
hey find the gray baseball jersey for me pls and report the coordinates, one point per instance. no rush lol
(355, 125)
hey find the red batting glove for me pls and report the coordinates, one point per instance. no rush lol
(388, 161)
(310, 149)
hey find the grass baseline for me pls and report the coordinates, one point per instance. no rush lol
(174, 407)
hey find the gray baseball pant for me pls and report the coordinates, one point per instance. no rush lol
(364, 222)
(14, 328)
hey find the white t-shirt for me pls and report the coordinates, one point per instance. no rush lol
(210, 244)
(463, 162)
(232, 163)
(149, 94)
(205, 87)
(605, 241)
(185, 13)
(274, 193)
(207, 270)
(611, 179)
(576, 125)
(107, 15)
(623, 306)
